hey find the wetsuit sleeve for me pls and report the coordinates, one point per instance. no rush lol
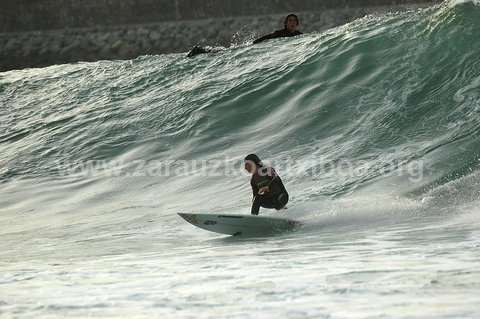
(256, 205)
(197, 50)
(266, 37)
(254, 188)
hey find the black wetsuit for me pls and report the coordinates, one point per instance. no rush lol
(277, 34)
(196, 51)
(284, 33)
(277, 197)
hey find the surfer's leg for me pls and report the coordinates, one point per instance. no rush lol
(281, 200)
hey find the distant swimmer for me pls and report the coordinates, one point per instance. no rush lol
(267, 187)
(290, 24)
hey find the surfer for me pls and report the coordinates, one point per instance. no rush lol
(267, 187)
(290, 26)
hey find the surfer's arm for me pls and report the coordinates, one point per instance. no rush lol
(254, 189)
(267, 37)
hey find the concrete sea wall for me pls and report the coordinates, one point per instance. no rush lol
(155, 26)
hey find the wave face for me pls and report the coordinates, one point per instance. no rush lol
(374, 122)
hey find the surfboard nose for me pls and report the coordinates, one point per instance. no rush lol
(189, 218)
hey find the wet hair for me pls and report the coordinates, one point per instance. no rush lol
(255, 159)
(291, 15)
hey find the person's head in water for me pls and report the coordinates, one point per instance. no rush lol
(291, 23)
(252, 162)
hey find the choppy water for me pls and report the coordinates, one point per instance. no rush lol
(374, 127)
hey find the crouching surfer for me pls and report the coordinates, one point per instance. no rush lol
(267, 187)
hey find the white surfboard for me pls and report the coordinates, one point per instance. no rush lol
(247, 225)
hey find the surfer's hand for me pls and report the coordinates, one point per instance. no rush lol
(263, 190)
